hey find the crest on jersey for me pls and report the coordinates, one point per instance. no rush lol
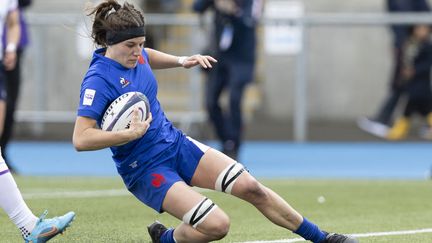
(124, 82)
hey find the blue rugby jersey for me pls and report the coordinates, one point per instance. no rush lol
(106, 80)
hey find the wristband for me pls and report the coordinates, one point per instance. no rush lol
(11, 47)
(182, 60)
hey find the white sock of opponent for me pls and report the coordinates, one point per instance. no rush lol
(13, 204)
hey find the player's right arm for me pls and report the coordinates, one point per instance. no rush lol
(88, 136)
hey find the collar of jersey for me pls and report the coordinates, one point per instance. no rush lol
(98, 54)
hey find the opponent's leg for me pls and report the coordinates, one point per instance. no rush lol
(32, 229)
(13, 204)
(45, 229)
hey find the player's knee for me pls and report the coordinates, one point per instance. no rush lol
(253, 191)
(222, 227)
(217, 227)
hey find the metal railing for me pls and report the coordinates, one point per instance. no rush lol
(300, 92)
(40, 115)
(332, 19)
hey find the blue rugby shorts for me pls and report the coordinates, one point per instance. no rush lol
(177, 163)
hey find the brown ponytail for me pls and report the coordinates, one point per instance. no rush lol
(112, 16)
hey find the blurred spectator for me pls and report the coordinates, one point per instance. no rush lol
(161, 6)
(380, 123)
(234, 44)
(415, 80)
(13, 81)
(9, 18)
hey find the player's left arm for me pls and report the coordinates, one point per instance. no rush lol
(161, 60)
(13, 34)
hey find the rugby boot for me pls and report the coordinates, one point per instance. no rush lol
(156, 230)
(339, 238)
(46, 229)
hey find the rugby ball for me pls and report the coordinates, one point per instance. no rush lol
(118, 115)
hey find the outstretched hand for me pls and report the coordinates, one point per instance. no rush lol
(198, 59)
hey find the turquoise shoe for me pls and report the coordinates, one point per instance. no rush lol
(46, 229)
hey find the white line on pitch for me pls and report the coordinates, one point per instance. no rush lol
(123, 192)
(77, 194)
(83, 194)
(362, 235)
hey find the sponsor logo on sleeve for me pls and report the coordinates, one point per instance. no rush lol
(89, 97)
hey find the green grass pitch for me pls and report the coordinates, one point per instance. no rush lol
(107, 213)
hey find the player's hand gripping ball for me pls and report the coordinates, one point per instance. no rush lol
(118, 115)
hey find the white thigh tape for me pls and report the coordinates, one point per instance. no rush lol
(228, 176)
(197, 214)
